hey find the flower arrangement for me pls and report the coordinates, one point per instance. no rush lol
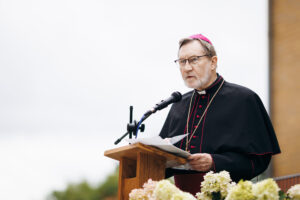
(294, 192)
(146, 193)
(266, 189)
(159, 190)
(216, 186)
(241, 191)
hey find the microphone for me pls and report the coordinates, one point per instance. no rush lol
(175, 97)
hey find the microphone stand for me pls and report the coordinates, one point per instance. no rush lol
(131, 127)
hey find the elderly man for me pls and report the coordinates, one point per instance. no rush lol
(228, 127)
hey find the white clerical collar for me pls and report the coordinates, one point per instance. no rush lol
(201, 92)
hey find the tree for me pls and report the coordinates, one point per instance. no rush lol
(84, 191)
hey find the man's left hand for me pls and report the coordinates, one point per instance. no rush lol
(200, 161)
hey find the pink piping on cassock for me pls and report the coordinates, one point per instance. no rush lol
(192, 128)
(219, 79)
(203, 125)
(185, 129)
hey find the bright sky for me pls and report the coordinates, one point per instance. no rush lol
(69, 70)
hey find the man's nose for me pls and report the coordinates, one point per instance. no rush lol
(187, 66)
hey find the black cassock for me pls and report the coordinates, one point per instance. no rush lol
(236, 130)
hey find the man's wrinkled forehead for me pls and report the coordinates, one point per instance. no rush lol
(191, 48)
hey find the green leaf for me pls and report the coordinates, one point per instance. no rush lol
(282, 195)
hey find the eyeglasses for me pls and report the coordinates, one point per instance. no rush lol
(193, 60)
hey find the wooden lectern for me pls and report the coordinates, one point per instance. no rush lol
(138, 163)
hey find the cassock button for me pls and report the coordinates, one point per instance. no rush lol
(192, 147)
(200, 106)
(195, 126)
(194, 136)
(203, 97)
(198, 116)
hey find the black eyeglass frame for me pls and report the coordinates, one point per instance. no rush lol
(177, 61)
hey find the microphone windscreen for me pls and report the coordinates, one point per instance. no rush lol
(177, 96)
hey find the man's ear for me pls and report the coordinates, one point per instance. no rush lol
(214, 61)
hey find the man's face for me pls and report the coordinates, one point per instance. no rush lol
(201, 74)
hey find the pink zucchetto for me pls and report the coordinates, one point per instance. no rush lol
(201, 37)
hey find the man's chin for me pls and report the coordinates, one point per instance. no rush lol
(193, 85)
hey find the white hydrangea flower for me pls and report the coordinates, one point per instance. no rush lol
(241, 191)
(294, 192)
(145, 193)
(137, 194)
(266, 190)
(203, 196)
(216, 182)
(183, 196)
(149, 188)
(164, 190)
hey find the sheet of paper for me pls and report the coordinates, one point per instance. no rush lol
(164, 144)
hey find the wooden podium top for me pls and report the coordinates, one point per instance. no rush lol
(130, 151)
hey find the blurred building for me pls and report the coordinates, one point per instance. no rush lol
(285, 88)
